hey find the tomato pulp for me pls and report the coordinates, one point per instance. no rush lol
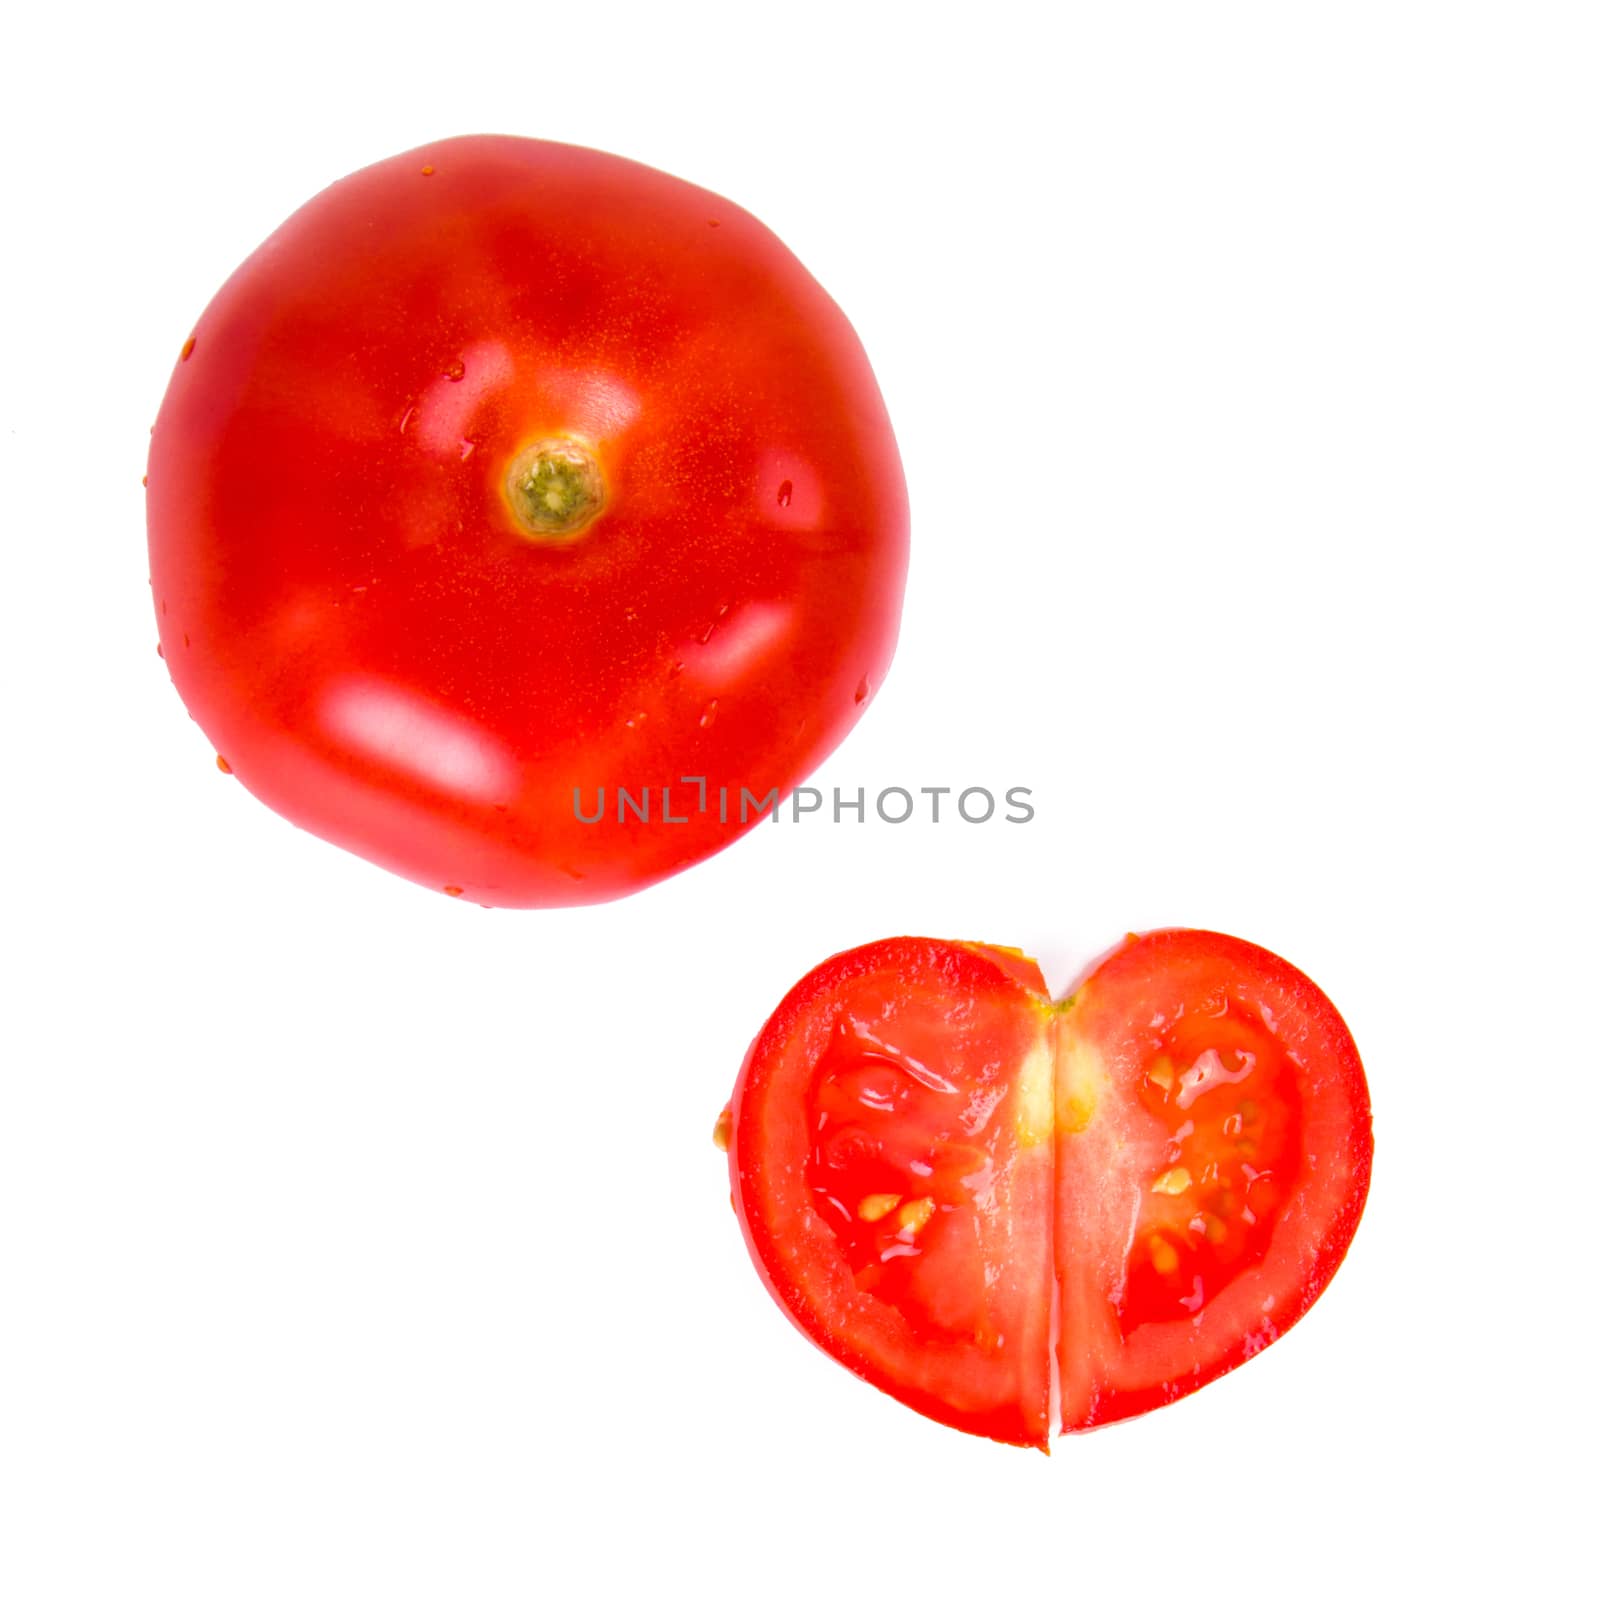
(933, 1162)
(508, 485)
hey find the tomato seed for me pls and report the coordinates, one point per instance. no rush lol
(1162, 1256)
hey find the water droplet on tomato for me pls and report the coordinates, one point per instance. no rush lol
(467, 447)
(713, 222)
(454, 890)
(455, 372)
(159, 651)
(185, 353)
(674, 669)
(405, 421)
(785, 491)
(711, 627)
(222, 765)
(709, 715)
(863, 689)
(427, 172)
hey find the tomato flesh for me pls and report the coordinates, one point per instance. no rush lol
(931, 1160)
(900, 1159)
(1221, 1087)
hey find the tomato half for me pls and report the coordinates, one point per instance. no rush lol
(930, 1159)
(505, 489)
(890, 1143)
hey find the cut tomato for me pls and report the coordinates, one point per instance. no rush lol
(1213, 1146)
(931, 1161)
(891, 1152)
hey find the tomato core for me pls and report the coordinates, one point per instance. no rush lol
(555, 488)
(1226, 1090)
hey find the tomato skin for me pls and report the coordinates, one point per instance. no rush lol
(346, 601)
(1107, 1375)
(1186, 1173)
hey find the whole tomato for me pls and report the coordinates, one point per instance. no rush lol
(506, 486)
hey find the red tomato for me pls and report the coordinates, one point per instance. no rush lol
(928, 1154)
(506, 476)
(891, 1154)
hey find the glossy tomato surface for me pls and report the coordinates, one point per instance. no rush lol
(506, 476)
(930, 1159)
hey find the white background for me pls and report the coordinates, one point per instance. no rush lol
(355, 1242)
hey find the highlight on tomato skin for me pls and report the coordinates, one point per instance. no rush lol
(508, 478)
(930, 1158)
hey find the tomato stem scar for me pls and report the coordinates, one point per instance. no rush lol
(555, 488)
